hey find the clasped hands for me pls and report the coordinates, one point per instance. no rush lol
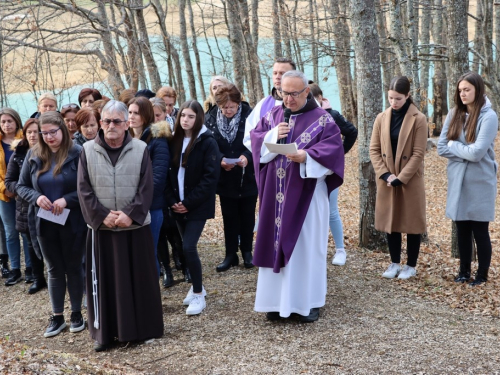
(117, 219)
(55, 207)
(179, 208)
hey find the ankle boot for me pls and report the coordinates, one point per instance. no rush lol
(463, 273)
(168, 278)
(481, 277)
(247, 259)
(4, 265)
(28, 275)
(187, 275)
(229, 261)
(177, 261)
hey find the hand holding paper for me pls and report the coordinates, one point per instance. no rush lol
(289, 148)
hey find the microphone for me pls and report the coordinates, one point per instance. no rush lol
(288, 113)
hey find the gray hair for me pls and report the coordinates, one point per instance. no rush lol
(115, 107)
(295, 74)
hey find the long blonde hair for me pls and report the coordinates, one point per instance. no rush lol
(42, 149)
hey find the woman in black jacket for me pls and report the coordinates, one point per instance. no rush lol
(21, 148)
(48, 181)
(192, 180)
(237, 188)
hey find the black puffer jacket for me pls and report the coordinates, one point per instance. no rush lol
(200, 179)
(11, 179)
(233, 183)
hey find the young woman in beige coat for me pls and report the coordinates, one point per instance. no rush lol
(397, 151)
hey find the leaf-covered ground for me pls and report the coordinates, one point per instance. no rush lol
(426, 325)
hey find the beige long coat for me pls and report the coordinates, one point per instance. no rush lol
(400, 209)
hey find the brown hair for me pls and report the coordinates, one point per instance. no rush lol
(285, 60)
(88, 91)
(459, 116)
(98, 105)
(71, 107)
(12, 113)
(83, 116)
(315, 89)
(179, 133)
(126, 95)
(42, 149)
(157, 102)
(145, 111)
(226, 94)
(166, 91)
(24, 142)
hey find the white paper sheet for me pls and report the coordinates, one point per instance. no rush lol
(58, 219)
(230, 161)
(288, 148)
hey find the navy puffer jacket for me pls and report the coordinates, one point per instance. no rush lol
(157, 136)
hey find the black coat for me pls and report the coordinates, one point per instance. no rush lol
(237, 182)
(348, 130)
(11, 181)
(200, 179)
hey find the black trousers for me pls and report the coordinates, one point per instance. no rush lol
(238, 215)
(36, 263)
(465, 229)
(169, 232)
(191, 231)
(394, 240)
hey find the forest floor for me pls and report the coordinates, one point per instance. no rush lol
(369, 325)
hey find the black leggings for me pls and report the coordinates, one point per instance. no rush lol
(191, 231)
(481, 236)
(413, 247)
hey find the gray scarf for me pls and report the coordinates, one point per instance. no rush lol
(228, 129)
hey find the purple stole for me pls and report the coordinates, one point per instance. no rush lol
(268, 104)
(285, 196)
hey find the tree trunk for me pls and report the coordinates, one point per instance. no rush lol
(154, 75)
(342, 59)
(195, 51)
(458, 48)
(276, 29)
(295, 38)
(478, 39)
(440, 93)
(185, 49)
(236, 40)
(413, 44)
(369, 83)
(285, 27)
(425, 33)
(132, 54)
(400, 44)
(386, 51)
(170, 49)
(254, 82)
(313, 42)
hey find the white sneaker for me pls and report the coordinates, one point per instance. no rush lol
(339, 258)
(392, 271)
(190, 295)
(197, 305)
(407, 272)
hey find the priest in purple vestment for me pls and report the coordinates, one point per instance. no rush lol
(292, 235)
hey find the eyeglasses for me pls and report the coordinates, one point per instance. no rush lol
(52, 132)
(115, 121)
(294, 94)
(71, 105)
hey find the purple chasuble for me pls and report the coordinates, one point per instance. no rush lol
(268, 104)
(285, 196)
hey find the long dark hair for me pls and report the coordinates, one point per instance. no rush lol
(146, 112)
(179, 133)
(459, 116)
(401, 85)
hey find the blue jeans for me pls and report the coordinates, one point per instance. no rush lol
(156, 222)
(8, 214)
(335, 220)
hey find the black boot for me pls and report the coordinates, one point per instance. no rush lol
(229, 261)
(247, 259)
(28, 275)
(187, 275)
(177, 261)
(481, 277)
(4, 265)
(15, 276)
(38, 285)
(463, 273)
(168, 278)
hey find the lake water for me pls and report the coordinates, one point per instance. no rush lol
(25, 103)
